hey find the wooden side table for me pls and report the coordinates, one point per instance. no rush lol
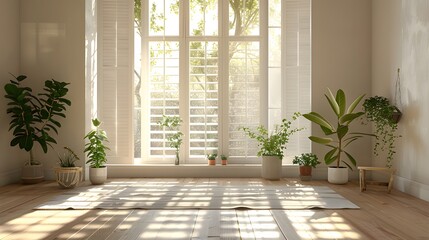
(363, 182)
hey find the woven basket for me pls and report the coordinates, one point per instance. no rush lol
(68, 177)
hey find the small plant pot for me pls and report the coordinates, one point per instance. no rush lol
(396, 116)
(68, 177)
(97, 176)
(224, 162)
(32, 174)
(212, 162)
(305, 173)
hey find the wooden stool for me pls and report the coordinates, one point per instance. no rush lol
(363, 182)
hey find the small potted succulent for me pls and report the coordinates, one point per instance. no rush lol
(306, 162)
(96, 153)
(224, 159)
(68, 175)
(212, 159)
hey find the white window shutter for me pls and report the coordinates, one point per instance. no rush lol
(115, 41)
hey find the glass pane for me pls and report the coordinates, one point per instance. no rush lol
(274, 18)
(137, 92)
(274, 47)
(274, 88)
(243, 17)
(164, 93)
(203, 98)
(203, 18)
(164, 17)
(244, 96)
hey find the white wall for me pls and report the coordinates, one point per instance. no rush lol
(53, 46)
(401, 39)
(341, 58)
(11, 159)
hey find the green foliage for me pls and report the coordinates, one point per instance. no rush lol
(96, 148)
(306, 159)
(339, 129)
(172, 123)
(379, 111)
(212, 156)
(223, 157)
(68, 158)
(35, 117)
(273, 144)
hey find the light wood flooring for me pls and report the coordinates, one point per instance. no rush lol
(381, 216)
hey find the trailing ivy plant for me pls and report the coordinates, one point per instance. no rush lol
(379, 111)
(175, 139)
(274, 143)
(35, 117)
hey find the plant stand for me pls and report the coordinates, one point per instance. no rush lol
(363, 182)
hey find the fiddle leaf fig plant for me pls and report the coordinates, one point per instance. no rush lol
(338, 137)
(35, 117)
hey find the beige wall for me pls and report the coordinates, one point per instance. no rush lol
(53, 46)
(341, 58)
(401, 39)
(11, 159)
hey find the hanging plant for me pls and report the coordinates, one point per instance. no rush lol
(385, 118)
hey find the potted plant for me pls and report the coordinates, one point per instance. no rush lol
(385, 118)
(35, 119)
(341, 137)
(96, 153)
(272, 146)
(175, 139)
(306, 162)
(68, 175)
(212, 158)
(224, 159)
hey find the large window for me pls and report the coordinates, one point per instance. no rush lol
(218, 64)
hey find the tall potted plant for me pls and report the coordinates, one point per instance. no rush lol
(272, 146)
(341, 137)
(96, 153)
(385, 117)
(35, 119)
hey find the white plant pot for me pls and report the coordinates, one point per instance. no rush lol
(271, 167)
(338, 175)
(97, 176)
(32, 174)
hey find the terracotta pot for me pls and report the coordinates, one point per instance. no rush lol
(212, 162)
(224, 162)
(305, 173)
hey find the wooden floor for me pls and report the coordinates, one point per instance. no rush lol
(382, 216)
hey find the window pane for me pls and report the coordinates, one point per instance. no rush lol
(164, 93)
(164, 17)
(244, 96)
(275, 13)
(203, 98)
(203, 18)
(243, 17)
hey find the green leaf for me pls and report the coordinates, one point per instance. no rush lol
(352, 160)
(316, 118)
(334, 105)
(329, 161)
(96, 122)
(21, 78)
(341, 100)
(327, 131)
(364, 134)
(348, 165)
(320, 140)
(349, 117)
(330, 154)
(355, 103)
(342, 131)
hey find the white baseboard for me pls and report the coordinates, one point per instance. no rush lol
(205, 171)
(411, 187)
(9, 177)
